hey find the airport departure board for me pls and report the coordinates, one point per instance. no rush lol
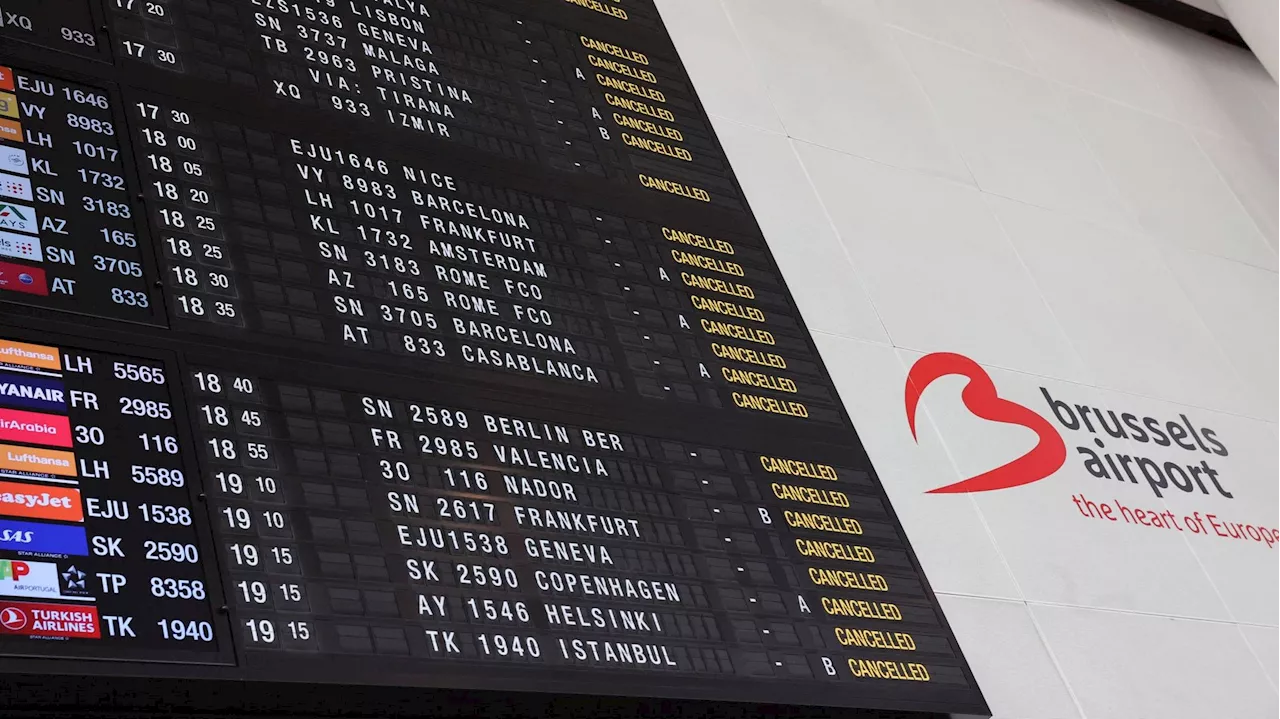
(428, 345)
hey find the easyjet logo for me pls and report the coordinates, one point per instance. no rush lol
(1100, 425)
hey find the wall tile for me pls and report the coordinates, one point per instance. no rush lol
(1208, 83)
(1013, 131)
(1238, 303)
(1178, 195)
(838, 80)
(936, 265)
(1001, 643)
(978, 26)
(1265, 642)
(1251, 174)
(1130, 666)
(1076, 43)
(1122, 310)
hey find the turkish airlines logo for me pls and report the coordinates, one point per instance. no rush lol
(981, 398)
(13, 619)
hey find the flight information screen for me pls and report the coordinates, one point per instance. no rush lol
(419, 344)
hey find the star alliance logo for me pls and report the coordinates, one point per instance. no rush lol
(75, 579)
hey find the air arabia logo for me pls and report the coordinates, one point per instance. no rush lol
(981, 398)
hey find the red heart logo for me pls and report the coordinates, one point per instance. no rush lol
(981, 398)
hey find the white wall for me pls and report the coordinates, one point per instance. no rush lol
(1080, 198)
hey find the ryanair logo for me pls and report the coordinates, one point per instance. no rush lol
(18, 218)
(29, 392)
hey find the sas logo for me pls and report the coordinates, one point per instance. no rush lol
(49, 620)
(16, 537)
(19, 218)
(39, 538)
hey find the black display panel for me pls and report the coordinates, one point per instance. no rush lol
(421, 345)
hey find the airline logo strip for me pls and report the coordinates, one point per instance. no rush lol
(43, 580)
(40, 538)
(31, 392)
(35, 359)
(23, 278)
(51, 430)
(20, 247)
(49, 620)
(30, 379)
(60, 576)
(13, 159)
(10, 130)
(60, 504)
(18, 218)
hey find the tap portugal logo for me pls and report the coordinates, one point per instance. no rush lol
(981, 398)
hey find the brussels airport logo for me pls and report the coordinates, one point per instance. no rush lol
(981, 398)
(1050, 451)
